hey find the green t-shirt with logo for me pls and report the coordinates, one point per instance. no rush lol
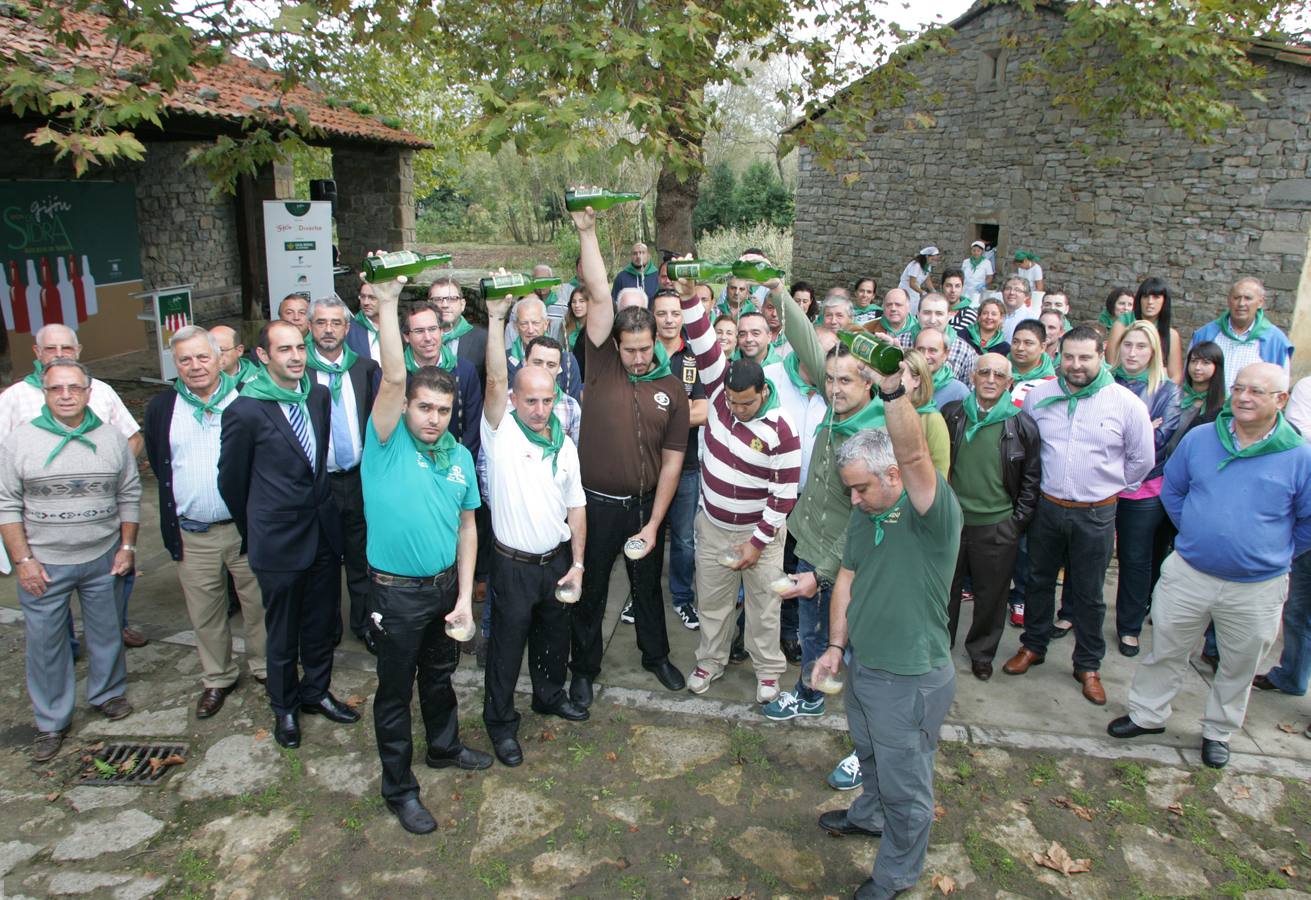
(897, 619)
(412, 508)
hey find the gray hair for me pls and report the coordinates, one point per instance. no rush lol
(65, 362)
(332, 301)
(528, 301)
(1251, 279)
(639, 294)
(832, 301)
(40, 336)
(1022, 282)
(872, 448)
(188, 332)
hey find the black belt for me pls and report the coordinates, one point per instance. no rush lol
(625, 502)
(196, 527)
(536, 559)
(387, 579)
(342, 473)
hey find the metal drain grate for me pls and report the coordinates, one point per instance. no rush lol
(131, 764)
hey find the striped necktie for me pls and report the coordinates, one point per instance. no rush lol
(301, 427)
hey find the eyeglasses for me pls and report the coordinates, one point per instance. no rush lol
(75, 390)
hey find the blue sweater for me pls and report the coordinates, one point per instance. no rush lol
(1274, 344)
(1246, 522)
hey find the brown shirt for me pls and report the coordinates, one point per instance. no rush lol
(626, 425)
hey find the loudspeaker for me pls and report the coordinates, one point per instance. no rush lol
(324, 189)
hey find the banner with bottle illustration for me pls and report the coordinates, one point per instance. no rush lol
(70, 255)
(298, 247)
(171, 312)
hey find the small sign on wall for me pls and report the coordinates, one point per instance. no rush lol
(298, 247)
(170, 310)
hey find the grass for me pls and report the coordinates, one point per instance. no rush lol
(493, 873)
(264, 801)
(295, 767)
(1045, 771)
(1130, 811)
(989, 859)
(1132, 775)
(964, 771)
(1083, 798)
(633, 885)
(194, 868)
(747, 748)
(1248, 878)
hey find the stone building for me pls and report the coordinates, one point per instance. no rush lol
(994, 159)
(184, 233)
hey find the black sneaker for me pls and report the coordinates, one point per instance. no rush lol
(626, 616)
(688, 614)
(738, 652)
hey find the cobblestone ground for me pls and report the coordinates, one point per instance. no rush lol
(634, 803)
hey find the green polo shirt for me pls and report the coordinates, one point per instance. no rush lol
(411, 508)
(897, 620)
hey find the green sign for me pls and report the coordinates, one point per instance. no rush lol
(292, 246)
(95, 221)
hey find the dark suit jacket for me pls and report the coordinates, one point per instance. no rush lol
(365, 376)
(357, 338)
(473, 348)
(159, 419)
(281, 508)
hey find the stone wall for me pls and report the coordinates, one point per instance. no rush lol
(375, 206)
(996, 151)
(185, 236)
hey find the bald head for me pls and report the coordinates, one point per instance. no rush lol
(534, 398)
(533, 378)
(992, 378)
(1266, 375)
(230, 348)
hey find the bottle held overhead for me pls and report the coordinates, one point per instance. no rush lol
(401, 262)
(879, 355)
(704, 270)
(515, 284)
(597, 198)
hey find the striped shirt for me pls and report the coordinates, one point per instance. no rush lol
(194, 447)
(749, 470)
(1104, 449)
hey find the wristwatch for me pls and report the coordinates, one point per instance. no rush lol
(888, 398)
(130, 547)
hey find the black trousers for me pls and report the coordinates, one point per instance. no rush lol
(987, 556)
(348, 493)
(1082, 540)
(609, 525)
(301, 613)
(413, 645)
(525, 613)
(482, 520)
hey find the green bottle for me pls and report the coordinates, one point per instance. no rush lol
(700, 270)
(514, 284)
(401, 262)
(597, 198)
(879, 355)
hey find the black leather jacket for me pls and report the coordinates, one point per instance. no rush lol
(1021, 458)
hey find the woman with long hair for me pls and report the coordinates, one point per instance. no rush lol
(986, 335)
(1118, 302)
(1140, 514)
(574, 324)
(919, 387)
(1152, 304)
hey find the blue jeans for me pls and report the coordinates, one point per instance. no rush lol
(812, 630)
(1136, 525)
(682, 543)
(1294, 669)
(1020, 574)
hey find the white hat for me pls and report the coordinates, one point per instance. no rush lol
(930, 250)
(980, 244)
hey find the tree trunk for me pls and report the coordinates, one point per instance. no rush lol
(675, 200)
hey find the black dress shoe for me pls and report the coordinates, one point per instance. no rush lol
(414, 816)
(331, 709)
(1125, 727)
(467, 758)
(835, 822)
(1215, 753)
(508, 752)
(1212, 661)
(791, 648)
(667, 675)
(1057, 633)
(211, 700)
(981, 670)
(565, 709)
(580, 691)
(286, 731)
(1128, 649)
(1263, 683)
(371, 644)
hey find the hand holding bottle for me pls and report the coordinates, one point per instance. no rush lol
(388, 290)
(585, 218)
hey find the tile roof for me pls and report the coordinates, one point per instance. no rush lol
(228, 92)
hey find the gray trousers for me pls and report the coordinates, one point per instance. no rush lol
(894, 722)
(51, 680)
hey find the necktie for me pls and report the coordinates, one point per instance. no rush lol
(301, 428)
(343, 447)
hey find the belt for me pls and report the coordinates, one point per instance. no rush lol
(537, 559)
(343, 473)
(1079, 504)
(387, 579)
(196, 527)
(629, 502)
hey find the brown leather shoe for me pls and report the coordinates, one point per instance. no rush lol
(134, 638)
(211, 700)
(1092, 687)
(1023, 661)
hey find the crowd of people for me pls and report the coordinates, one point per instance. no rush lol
(817, 511)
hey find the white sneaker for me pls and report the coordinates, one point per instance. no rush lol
(699, 681)
(766, 690)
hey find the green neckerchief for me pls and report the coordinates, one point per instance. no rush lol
(869, 416)
(263, 387)
(1259, 327)
(1102, 380)
(779, 342)
(771, 357)
(1044, 369)
(659, 370)
(1188, 396)
(445, 361)
(973, 331)
(927, 408)
(552, 445)
(1002, 410)
(963, 303)
(882, 517)
(1106, 319)
(906, 326)
(335, 370)
(771, 401)
(226, 385)
(722, 309)
(1065, 324)
(975, 263)
(35, 378)
(441, 449)
(1283, 437)
(649, 270)
(1126, 319)
(1119, 372)
(47, 422)
(942, 378)
(364, 321)
(517, 351)
(573, 338)
(246, 370)
(863, 310)
(458, 330)
(792, 365)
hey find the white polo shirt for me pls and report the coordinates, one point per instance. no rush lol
(529, 502)
(21, 403)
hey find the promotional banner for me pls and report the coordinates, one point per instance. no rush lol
(298, 246)
(171, 312)
(69, 254)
